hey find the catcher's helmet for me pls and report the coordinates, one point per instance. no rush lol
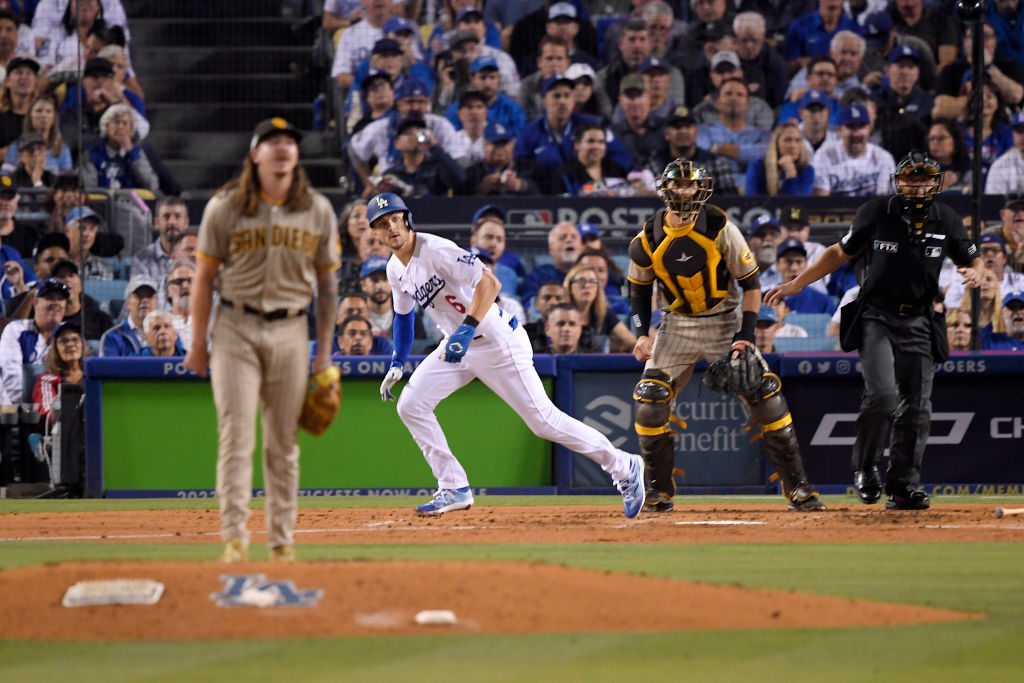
(683, 170)
(385, 203)
(921, 165)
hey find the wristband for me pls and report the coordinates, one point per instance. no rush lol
(471, 321)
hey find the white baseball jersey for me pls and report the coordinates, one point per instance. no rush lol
(440, 277)
(1006, 175)
(843, 175)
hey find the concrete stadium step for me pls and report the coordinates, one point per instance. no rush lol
(221, 147)
(202, 8)
(159, 62)
(207, 33)
(255, 89)
(224, 117)
(203, 175)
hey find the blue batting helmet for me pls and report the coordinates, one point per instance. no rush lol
(385, 203)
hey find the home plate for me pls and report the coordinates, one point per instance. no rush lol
(722, 522)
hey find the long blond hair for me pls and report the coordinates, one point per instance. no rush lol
(997, 305)
(244, 190)
(771, 157)
(52, 137)
(598, 309)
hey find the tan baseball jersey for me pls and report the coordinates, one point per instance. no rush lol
(269, 261)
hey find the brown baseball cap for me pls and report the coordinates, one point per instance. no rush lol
(267, 127)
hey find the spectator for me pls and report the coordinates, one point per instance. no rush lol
(814, 114)
(123, 75)
(598, 259)
(1006, 175)
(1007, 18)
(353, 304)
(186, 247)
(66, 38)
(447, 25)
(374, 282)
(583, 288)
(640, 130)
(846, 51)
(488, 234)
(791, 261)
(354, 337)
(690, 44)
(178, 293)
(681, 139)
(563, 329)
(81, 226)
(472, 116)
(997, 137)
(794, 223)
(531, 29)
(993, 254)
(96, 320)
(564, 247)
(471, 19)
(499, 172)
(508, 257)
(1007, 75)
(42, 119)
(367, 246)
(765, 236)
(127, 338)
(937, 29)
(821, 74)
(732, 136)
(170, 218)
(548, 139)
(903, 108)
(699, 82)
(591, 172)
(635, 47)
(115, 162)
(485, 79)
(352, 224)
(341, 14)
(854, 167)
(811, 34)
(30, 171)
(958, 329)
(425, 168)
(658, 78)
(990, 313)
(786, 167)
(664, 30)
(587, 100)
(65, 195)
(1011, 230)
(378, 99)
(12, 40)
(64, 364)
(763, 67)
(506, 14)
(786, 330)
(96, 93)
(505, 300)
(1013, 322)
(51, 15)
(19, 89)
(28, 340)
(765, 329)
(16, 275)
(397, 55)
(564, 23)
(549, 294)
(946, 145)
(358, 40)
(161, 337)
(552, 58)
(51, 247)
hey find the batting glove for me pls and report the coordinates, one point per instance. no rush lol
(458, 343)
(390, 379)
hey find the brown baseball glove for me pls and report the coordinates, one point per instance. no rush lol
(322, 402)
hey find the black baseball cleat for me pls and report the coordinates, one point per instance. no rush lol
(908, 499)
(657, 501)
(805, 499)
(868, 484)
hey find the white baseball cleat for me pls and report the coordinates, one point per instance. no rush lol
(632, 487)
(446, 500)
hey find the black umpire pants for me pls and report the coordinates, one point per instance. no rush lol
(897, 367)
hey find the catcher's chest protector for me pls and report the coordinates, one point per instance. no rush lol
(691, 271)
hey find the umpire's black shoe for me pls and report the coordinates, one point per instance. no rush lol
(868, 484)
(908, 499)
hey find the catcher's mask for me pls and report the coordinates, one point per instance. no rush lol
(685, 187)
(917, 181)
(385, 203)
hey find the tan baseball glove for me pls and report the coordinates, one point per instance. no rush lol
(322, 402)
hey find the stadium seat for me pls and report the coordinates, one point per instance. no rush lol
(790, 344)
(816, 324)
(105, 290)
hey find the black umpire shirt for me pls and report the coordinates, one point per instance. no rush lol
(901, 275)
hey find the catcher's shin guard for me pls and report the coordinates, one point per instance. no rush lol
(653, 395)
(768, 408)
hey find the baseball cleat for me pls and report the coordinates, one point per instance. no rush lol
(632, 487)
(868, 484)
(446, 500)
(805, 499)
(235, 551)
(282, 553)
(908, 499)
(658, 502)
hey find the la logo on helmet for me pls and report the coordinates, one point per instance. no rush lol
(381, 202)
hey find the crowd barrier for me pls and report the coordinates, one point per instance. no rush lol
(166, 444)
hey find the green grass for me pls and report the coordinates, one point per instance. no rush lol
(983, 577)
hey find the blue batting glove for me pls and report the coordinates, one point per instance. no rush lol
(458, 343)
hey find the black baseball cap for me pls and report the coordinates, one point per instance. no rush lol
(410, 122)
(23, 60)
(98, 66)
(793, 214)
(51, 239)
(791, 244)
(66, 180)
(268, 127)
(8, 188)
(53, 286)
(62, 265)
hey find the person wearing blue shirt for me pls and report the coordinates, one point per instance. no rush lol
(821, 79)
(1007, 18)
(811, 34)
(1013, 316)
(161, 335)
(484, 77)
(791, 260)
(548, 139)
(731, 136)
(128, 339)
(786, 166)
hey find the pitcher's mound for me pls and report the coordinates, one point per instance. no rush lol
(368, 598)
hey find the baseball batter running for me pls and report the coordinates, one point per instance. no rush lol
(267, 239)
(697, 256)
(481, 341)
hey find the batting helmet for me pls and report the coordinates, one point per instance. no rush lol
(385, 203)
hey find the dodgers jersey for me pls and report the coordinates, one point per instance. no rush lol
(440, 277)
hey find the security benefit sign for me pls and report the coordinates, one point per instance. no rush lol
(713, 450)
(976, 434)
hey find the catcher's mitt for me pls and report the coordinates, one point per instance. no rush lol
(323, 399)
(741, 376)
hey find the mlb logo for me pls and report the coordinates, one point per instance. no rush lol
(933, 252)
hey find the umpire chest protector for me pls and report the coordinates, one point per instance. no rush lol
(693, 276)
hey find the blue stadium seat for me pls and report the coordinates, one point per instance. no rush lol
(790, 344)
(105, 290)
(816, 324)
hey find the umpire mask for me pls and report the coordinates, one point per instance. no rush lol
(917, 180)
(685, 188)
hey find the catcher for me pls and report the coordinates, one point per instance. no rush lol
(694, 253)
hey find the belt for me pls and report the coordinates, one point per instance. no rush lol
(903, 310)
(279, 314)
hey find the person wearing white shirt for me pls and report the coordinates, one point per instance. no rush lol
(1006, 175)
(855, 168)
